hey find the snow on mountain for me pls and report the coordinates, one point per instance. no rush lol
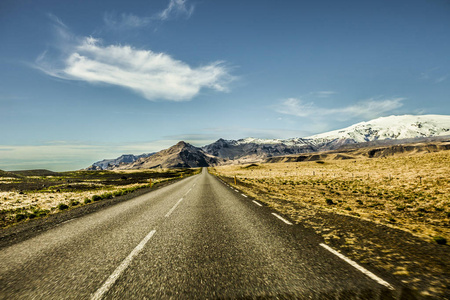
(392, 127)
(385, 128)
(107, 164)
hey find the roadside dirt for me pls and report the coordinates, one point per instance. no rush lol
(420, 265)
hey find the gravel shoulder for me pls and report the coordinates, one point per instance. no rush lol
(421, 265)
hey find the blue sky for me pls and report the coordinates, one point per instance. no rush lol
(85, 80)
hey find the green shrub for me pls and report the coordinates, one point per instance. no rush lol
(440, 240)
(74, 203)
(329, 201)
(96, 198)
(32, 215)
(62, 206)
(20, 217)
(87, 200)
(41, 212)
(118, 193)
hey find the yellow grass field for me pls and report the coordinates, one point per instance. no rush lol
(411, 193)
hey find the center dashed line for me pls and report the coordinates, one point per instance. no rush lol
(119, 270)
(173, 208)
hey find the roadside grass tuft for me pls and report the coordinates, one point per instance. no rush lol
(62, 206)
(440, 240)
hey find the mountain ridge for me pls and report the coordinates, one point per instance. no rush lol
(384, 130)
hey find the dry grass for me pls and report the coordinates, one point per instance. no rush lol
(408, 192)
(30, 196)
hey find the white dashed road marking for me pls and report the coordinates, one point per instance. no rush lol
(358, 267)
(119, 270)
(282, 219)
(257, 203)
(173, 208)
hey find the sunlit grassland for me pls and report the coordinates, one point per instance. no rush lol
(407, 192)
(24, 197)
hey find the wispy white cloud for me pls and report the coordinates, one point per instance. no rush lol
(370, 108)
(155, 76)
(324, 94)
(441, 79)
(125, 21)
(435, 75)
(176, 8)
(56, 20)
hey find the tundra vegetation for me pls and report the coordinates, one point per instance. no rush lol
(31, 194)
(408, 192)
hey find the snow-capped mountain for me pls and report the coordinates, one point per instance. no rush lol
(392, 127)
(107, 164)
(385, 128)
(255, 149)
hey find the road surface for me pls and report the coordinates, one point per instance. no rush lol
(195, 239)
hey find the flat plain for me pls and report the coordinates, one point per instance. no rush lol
(392, 213)
(26, 195)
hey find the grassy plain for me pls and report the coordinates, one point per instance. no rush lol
(408, 192)
(37, 193)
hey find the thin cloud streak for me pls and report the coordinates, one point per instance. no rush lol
(176, 8)
(125, 21)
(371, 108)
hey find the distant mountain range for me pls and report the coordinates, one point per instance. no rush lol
(109, 164)
(386, 130)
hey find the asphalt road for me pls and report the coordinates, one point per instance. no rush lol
(195, 239)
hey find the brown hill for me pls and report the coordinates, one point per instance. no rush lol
(182, 155)
(369, 152)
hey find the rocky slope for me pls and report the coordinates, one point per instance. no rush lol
(365, 152)
(182, 155)
(109, 164)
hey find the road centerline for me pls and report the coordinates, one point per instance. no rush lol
(173, 208)
(119, 270)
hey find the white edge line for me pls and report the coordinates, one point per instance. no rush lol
(257, 203)
(282, 219)
(358, 267)
(173, 208)
(119, 270)
(244, 195)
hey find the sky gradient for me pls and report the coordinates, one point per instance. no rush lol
(81, 81)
